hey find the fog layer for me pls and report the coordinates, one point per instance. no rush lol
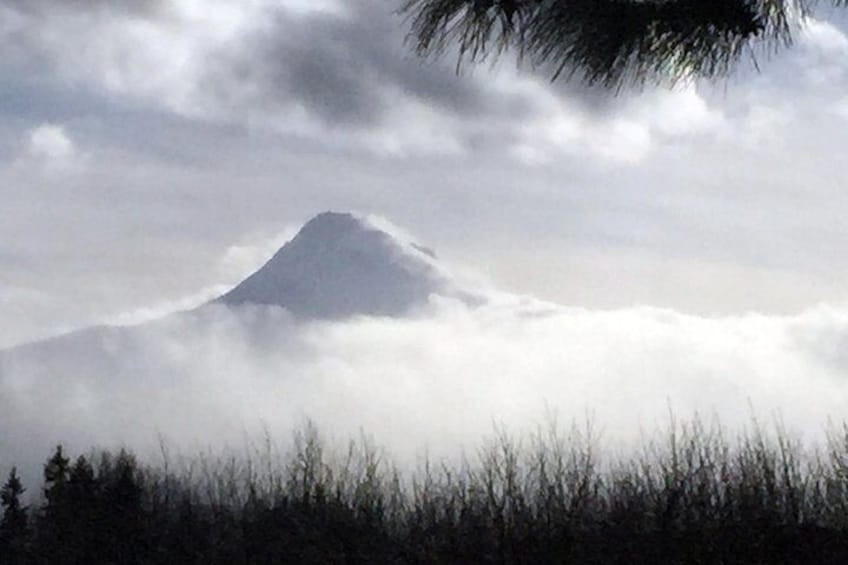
(433, 383)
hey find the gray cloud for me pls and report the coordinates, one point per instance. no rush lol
(350, 68)
(44, 8)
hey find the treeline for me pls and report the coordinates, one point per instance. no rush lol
(694, 498)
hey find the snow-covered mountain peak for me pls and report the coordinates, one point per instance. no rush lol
(341, 265)
(330, 226)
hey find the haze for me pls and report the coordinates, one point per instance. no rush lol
(671, 246)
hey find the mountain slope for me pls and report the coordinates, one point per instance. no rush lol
(341, 265)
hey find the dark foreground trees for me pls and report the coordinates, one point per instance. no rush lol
(14, 533)
(610, 42)
(695, 499)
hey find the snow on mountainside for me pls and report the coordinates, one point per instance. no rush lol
(340, 265)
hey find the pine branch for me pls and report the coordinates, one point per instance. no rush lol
(607, 42)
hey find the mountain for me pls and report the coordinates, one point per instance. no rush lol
(341, 265)
(196, 375)
(337, 266)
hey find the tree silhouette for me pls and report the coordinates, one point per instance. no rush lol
(82, 499)
(13, 527)
(56, 474)
(121, 507)
(609, 42)
(56, 515)
(698, 499)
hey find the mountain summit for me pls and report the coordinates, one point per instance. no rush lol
(341, 265)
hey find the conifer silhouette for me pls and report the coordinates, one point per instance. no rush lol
(609, 42)
(14, 526)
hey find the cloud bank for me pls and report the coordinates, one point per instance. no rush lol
(436, 383)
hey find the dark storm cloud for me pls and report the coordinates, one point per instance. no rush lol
(351, 68)
(340, 66)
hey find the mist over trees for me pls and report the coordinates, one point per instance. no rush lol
(552, 497)
(612, 43)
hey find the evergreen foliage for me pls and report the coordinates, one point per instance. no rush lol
(13, 527)
(609, 42)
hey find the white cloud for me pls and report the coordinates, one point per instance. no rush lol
(438, 381)
(49, 152)
(157, 311)
(157, 54)
(678, 112)
(626, 133)
(242, 259)
(824, 36)
(50, 142)
(763, 125)
(822, 51)
(412, 128)
(620, 140)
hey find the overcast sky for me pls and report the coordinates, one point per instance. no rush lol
(153, 152)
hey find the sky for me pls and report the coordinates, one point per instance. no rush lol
(152, 153)
(683, 243)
